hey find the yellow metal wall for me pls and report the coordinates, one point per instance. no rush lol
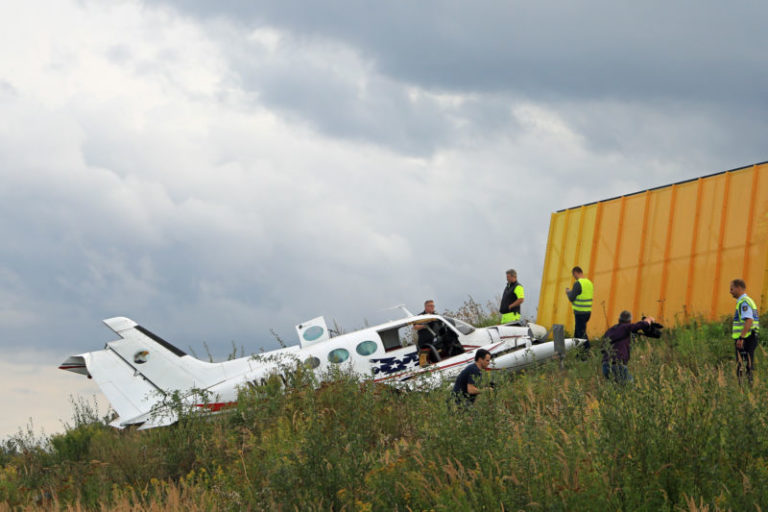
(669, 252)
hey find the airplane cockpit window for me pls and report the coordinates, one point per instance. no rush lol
(397, 337)
(338, 355)
(366, 348)
(312, 362)
(462, 327)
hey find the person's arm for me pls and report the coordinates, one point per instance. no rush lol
(744, 332)
(642, 324)
(520, 297)
(573, 292)
(472, 388)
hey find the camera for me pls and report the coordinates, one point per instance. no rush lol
(653, 330)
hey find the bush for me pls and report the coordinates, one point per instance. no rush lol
(684, 435)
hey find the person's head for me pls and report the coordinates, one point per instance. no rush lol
(738, 287)
(429, 306)
(625, 317)
(511, 276)
(577, 272)
(482, 358)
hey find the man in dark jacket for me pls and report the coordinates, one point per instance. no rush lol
(616, 356)
(511, 298)
(427, 335)
(467, 385)
(426, 332)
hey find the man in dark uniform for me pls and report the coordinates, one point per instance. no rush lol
(745, 328)
(466, 389)
(511, 298)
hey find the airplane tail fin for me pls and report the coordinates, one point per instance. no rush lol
(139, 370)
(165, 366)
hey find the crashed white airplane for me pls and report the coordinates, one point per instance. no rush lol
(140, 371)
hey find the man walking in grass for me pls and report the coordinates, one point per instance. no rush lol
(616, 356)
(466, 388)
(745, 329)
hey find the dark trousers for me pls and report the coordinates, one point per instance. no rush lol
(580, 329)
(617, 371)
(745, 358)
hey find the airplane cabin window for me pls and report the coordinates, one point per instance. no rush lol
(338, 355)
(313, 333)
(312, 362)
(366, 348)
(462, 327)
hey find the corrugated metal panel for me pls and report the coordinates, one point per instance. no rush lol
(669, 252)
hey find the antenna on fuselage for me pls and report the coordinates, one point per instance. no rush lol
(402, 308)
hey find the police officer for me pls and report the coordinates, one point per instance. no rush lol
(745, 329)
(511, 298)
(581, 301)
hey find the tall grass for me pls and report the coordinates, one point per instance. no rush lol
(683, 436)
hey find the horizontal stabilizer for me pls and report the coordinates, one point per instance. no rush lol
(75, 364)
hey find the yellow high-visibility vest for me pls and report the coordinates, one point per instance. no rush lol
(583, 301)
(738, 322)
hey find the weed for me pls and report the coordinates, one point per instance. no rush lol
(683, 435)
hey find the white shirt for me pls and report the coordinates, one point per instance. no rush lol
(745, 310)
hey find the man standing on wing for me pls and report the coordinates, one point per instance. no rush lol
(511, 298)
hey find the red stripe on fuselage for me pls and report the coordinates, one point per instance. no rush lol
(430, 370)
(215, 407)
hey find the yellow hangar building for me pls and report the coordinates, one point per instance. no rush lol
(668, 252)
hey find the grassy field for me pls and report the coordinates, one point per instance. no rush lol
(683, 436)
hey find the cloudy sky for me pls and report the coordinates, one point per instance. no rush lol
(215, 170)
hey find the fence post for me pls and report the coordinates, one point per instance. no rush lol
(558, 334)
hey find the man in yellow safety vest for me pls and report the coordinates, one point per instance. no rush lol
(745, 329)
(581, 301)
(511, 298)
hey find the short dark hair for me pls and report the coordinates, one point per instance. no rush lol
(480, 354)
(427, 302)
(577, 269)
(739, 283)
(625, 317)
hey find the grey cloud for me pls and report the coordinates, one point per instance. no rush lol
(216, 235)
(601, 48)
(599, 64)
(339, 96)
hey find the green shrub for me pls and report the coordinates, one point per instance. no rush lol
(683, 435)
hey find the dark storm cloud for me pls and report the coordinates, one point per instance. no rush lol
(697, 66)
(708, 50)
